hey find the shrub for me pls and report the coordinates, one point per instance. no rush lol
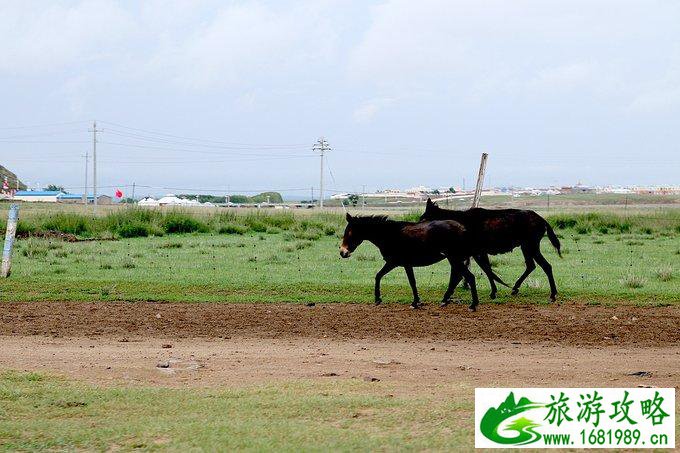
(232, 228)
(176, 222)
(133, 230)
(583, 229)
(562, 223)
(67, 223)
(257, 227)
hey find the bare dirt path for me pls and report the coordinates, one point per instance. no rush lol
(413, 367)
(567, 324)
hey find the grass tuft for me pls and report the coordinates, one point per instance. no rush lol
(633, 281)
(665, 274)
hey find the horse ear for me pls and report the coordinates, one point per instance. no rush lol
(348, 217)
(429, 204)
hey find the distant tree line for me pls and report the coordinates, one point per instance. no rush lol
(272, 197)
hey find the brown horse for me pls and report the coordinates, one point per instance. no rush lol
(496, 231)
(409, 245)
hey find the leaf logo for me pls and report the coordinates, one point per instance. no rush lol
(525, 428)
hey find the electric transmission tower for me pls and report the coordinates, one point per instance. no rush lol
(321, 146)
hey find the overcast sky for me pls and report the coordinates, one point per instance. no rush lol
(232, 95)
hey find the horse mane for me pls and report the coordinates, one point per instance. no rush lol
(372, 220)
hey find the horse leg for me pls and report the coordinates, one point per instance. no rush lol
(529, 261)
(454, 279)
(467, 264)
(412, 282)
(484, 263)
(547, 268)
(470, 279)
(381, 273)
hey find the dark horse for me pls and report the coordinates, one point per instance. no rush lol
(496, 231)
(410, 245)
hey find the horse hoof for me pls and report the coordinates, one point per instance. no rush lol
(515, 291)
(444, 304)
(492, 296)
(416, 305)
(378, 301)
(472, 308)
(553, 298)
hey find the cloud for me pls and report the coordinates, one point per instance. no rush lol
(36, 37)
(189, 44)
(470, 50)
(244, 43)
(367, 110)
(660, 95)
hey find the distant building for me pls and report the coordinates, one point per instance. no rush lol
(45, 196)
(73, 198)
(577, 189)
(104, 199)
(55, 196)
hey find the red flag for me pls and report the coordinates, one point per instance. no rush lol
(119, 194)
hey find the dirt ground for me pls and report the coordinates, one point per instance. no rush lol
(565, 324)
(418, 351)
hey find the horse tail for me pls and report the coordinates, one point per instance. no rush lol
(553, 238)
(498, 279)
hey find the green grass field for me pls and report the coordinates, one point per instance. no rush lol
(294, 258)
(609, 258)
(38, 412)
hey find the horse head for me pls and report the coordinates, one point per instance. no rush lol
(351, 239)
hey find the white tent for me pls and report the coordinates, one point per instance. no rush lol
(148, 201)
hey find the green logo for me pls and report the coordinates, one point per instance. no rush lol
(524, 427)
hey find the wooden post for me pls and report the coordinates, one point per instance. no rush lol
(12, 220)
(480, 181)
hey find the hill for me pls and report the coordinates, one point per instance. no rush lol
(11, 179)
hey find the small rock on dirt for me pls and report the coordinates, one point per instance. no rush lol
(331, 374)
(386, 362)
(158, 316)
(166, 346)
(311, 304)
(163, 365)
(371, 379)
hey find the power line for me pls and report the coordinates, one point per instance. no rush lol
(192, 138)
(201, 145)
(166, 148)
(35, 126)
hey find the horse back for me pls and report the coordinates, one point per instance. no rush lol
(501, 230)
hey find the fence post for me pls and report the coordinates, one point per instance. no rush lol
(480, 181)
(12, 220)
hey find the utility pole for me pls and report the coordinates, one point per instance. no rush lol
(363, 195)
(87, 159)
(321, 146)
(94, 163)
(480, 180)
(133, 191)
(312, 199)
